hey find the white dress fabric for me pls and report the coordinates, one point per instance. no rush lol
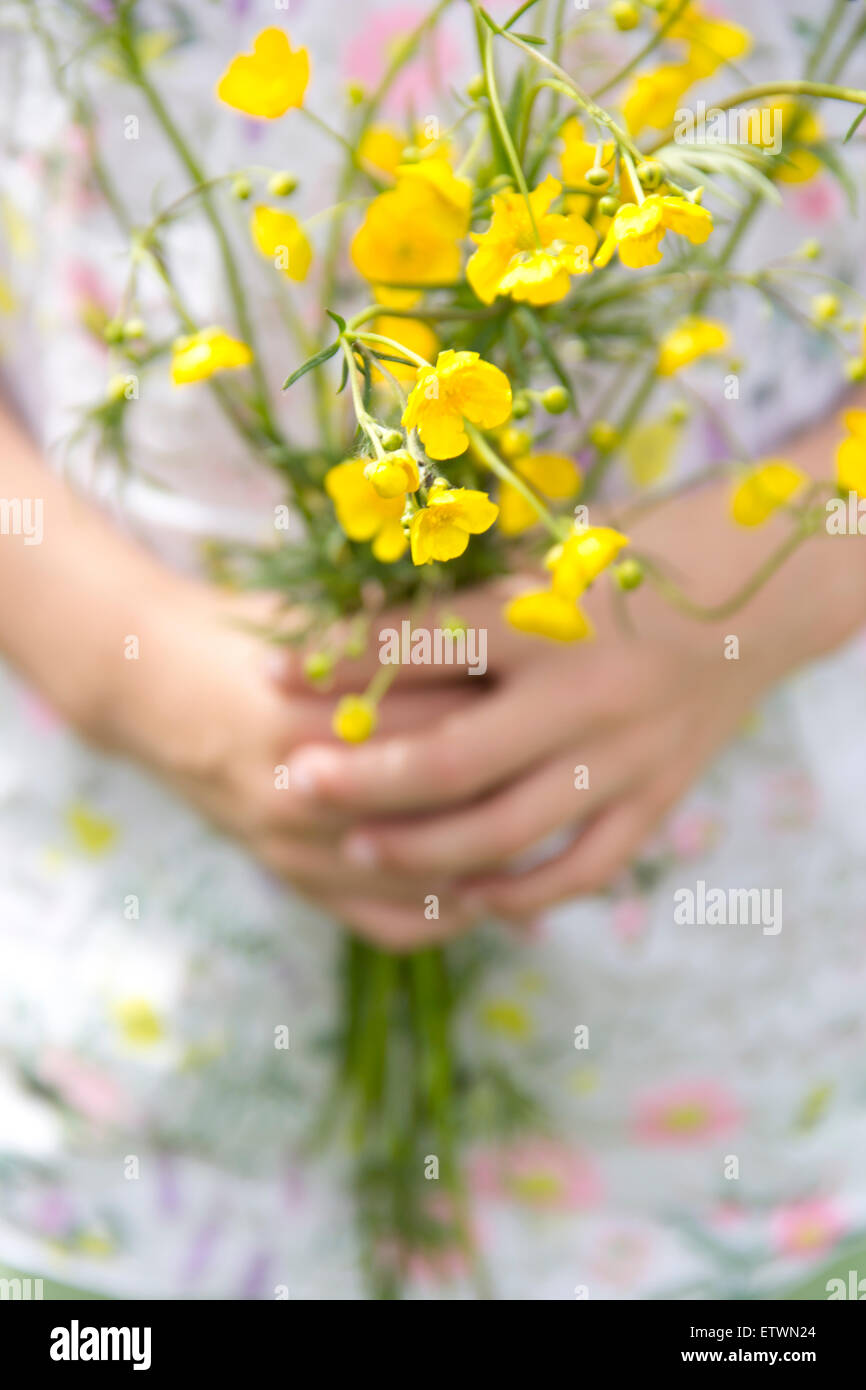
(710, 1141)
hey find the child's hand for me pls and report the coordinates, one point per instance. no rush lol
(642, 714)
(199, 707)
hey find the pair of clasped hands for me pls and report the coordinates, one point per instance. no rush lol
(467, 776)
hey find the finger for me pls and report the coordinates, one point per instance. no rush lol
(309, 718)
(567, 788)
(318, 866)
(421, 642)
(587, 866)
(463, 755)
(396, 927)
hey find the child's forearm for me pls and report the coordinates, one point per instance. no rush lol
(72, 587)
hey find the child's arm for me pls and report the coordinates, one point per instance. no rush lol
(195, 703)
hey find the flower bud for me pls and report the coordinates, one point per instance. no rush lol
(824, 307)
(514, 443)
(241, 188)
(410, 155)
(354, 719)
(392, 439)
(855, 370)
(811, 249)
(603, 435)
(281, 184)
(134, 328)
(555, 400)
(113, 331)
(628, 574)
(650, 173)
(520, 406)
(598, 177)
(318, 666)
(608, 205)
(477, 87)
(393, 476)
(625, 15)
(355, 93)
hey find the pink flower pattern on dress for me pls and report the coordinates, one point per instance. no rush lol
(688, 1112)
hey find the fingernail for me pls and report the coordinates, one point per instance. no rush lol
(305, 774)
(361, 850)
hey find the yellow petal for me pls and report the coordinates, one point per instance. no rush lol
(582, 557)
(268, 81)
(390, 542)
(515, 513)
(280, 237)
(687, 219)
(689, 340)
(546, 614)
(851, 464)
(764, 489)
(555, 475)
(201, 355)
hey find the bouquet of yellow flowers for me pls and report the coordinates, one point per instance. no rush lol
(549, 229)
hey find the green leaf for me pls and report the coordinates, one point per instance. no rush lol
(855, 125)
(387, 357)
(340, 322)
(344, 377)
(312, 362)
(531, 38)
(491, 23)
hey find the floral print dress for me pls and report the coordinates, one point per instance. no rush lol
(704, 1086)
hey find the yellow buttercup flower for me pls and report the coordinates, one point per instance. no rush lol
(382, 148)
(851, 455)
(653, 98)
(354, 719)
(280, 237)
(363, 514)
(544, 613)
(553, 475)
(799, 163)
(266, 82)
(508, 259)
(460, 386)
(394, 475)
(579, 156)
(638, 228)
(414, 334)
(200, 355)
(441, 530)
(712, 42)
(446, 196)
(582, 557)
(687, 341)
(411, 234)
(764, 489)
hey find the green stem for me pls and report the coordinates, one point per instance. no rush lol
(644, 52)
(507, 475)
(361, 414)
(715, 613)
(233, 280)
(368, 111)
(504, 132)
